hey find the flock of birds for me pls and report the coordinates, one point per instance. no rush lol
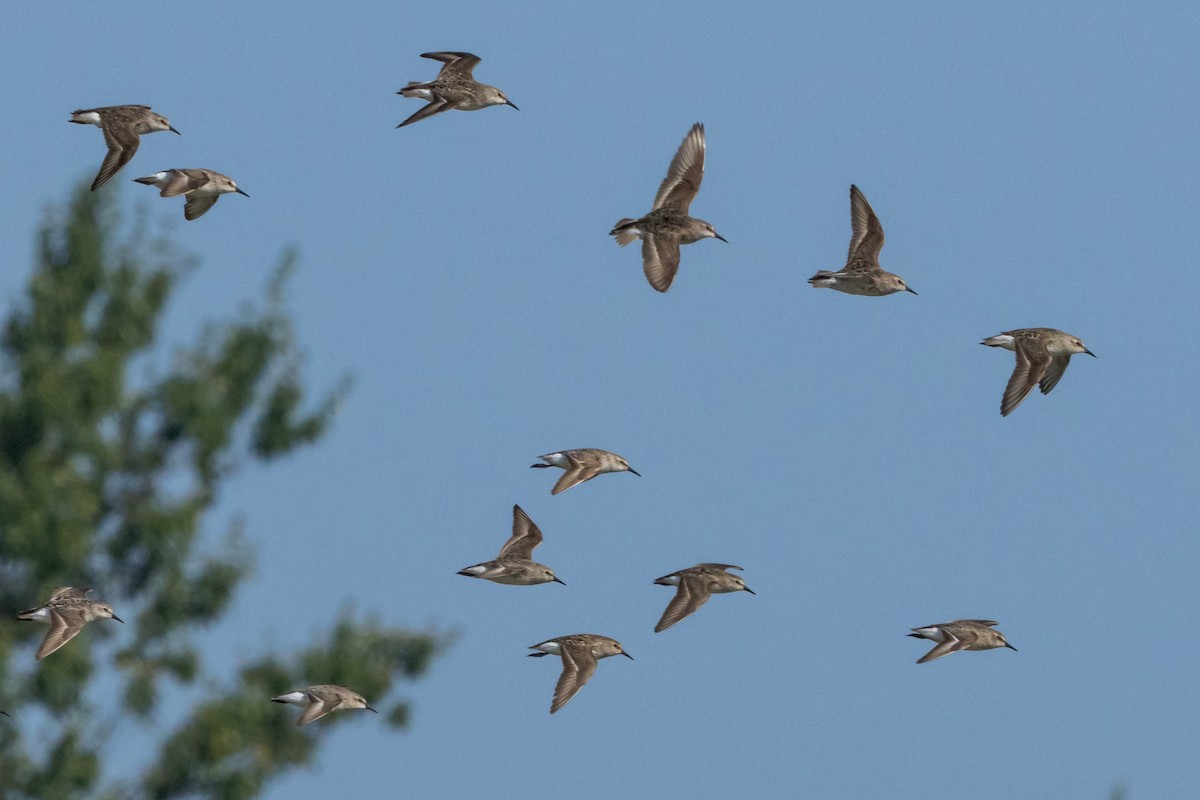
(1042, 356)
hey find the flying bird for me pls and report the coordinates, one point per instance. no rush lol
(201, 187)
(668, 225)
(122, 127)
(1042, 357)
(694, 586)
(320, 700)
(962, 634)
(515, 564)
(66, 612)
(862, 273)
(454, 88)
(582, 465)
(580, 654)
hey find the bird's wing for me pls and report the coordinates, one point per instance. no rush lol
(318, 706)
(455, 63)
(122, 144)
(578, 667)
(660, 259)
(525, 536)
(1054, 372)
(682, 183)
(435, 106)
(692, 593)
(948, 645)
(69, 591)
(866, 237)
(197, 204)
(62, 630)
(575, 474)
(182, 181)
(1032, 360)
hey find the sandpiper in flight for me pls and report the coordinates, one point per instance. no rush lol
(580, 654)
(454, 87)
(695, 585)
(962, 634)
(201, 187)
(1042, 357)
(321, 699)
(67, 611)
(582, 465)
(862, 274)
(668, 225)
(515, 564)
(122, 126)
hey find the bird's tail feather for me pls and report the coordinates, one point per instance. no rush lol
(624, 237)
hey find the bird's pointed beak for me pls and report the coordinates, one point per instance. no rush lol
(635, 472)
(511, 103)
(1089, 352)
(751, 591)
(556, 580)
(908, 290)
(1010, 647)
(627, 655)
(239, 191)
(719, 236)
(368, 708)
(172, 130)
(118, 619)
(915, 635)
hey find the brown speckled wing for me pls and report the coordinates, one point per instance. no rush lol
(866, 238)
(318, 707)
(682, 183)
(62, 630)
(660, 260)
(692, 593)
(462, 64)
(182, 181)
(69, 591)
(435, 106)
(1054, 372)
(578, 667)
(1032, 361)
(576, 474)
(948, 645)
(122, 144)
(525, 536)
(197, 204)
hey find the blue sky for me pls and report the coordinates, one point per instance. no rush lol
(1032, 165)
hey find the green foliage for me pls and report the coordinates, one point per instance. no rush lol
(106, 472)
